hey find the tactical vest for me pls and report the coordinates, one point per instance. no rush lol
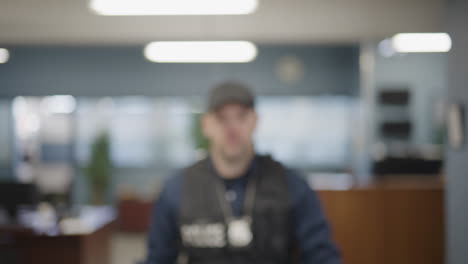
(203, 228)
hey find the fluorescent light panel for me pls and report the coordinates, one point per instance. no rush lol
(4, 55)
(173, 7)
(421, 42)
(200, 51)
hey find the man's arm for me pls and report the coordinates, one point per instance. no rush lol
(311, 229)
(164, 233)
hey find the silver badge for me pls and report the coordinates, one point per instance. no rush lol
(240, 232)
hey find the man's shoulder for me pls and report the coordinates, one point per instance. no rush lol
(174, 182)
(174, 179)
(295, 179)
(293, 176)
(296, 182)
(172, 188)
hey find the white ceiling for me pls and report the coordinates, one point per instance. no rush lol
(276, 21)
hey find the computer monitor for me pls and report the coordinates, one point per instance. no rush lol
(14, 195)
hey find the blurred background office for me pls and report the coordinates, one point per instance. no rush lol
(100, 102)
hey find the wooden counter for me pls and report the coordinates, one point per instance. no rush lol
(397, 220)
(391, 223)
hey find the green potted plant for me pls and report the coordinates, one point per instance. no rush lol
(201, 142)
(98, 171)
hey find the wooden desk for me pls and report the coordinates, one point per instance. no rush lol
(22, 246)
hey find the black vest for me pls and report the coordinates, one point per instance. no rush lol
(202, 224)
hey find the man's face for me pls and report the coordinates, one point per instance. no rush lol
(230, 129)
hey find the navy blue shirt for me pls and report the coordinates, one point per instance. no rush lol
(311, 229)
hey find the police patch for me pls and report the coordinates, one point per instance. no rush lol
(210, 235)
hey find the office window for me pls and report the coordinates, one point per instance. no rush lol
(310, 133)
(144, 132)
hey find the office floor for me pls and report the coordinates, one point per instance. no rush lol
(128, 248)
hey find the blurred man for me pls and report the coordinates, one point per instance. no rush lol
(236, 206)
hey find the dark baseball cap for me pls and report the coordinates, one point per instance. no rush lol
(230, 92)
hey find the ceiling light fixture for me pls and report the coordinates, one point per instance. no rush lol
(421, 42)
(172, 7)
(200, 51)
(4, 55)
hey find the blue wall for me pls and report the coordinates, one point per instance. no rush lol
(104, 71)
